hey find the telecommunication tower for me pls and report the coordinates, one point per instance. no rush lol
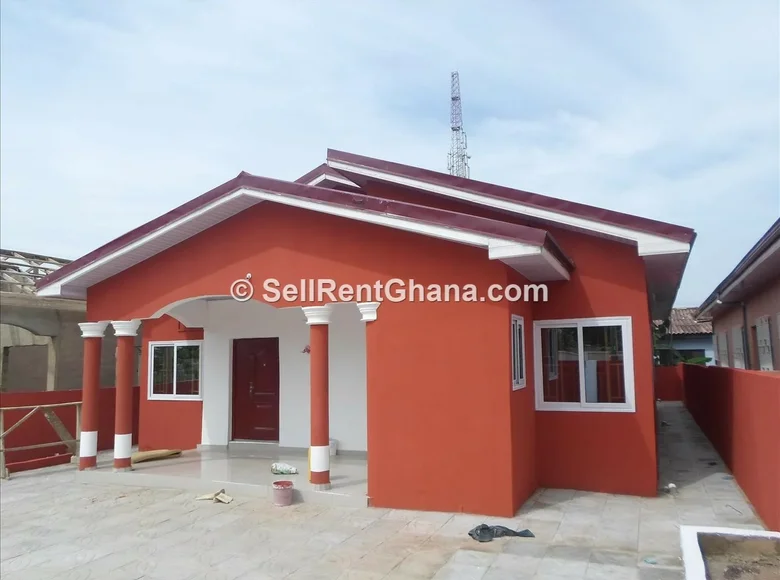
(458, 159)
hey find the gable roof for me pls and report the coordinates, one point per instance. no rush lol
(756, 269)
(664, 247)
(531, 251)
(645, 232)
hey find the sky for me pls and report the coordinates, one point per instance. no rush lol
(116, 112)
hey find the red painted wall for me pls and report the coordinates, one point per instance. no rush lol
(158, 429)
(439, 433)
(738, 411)
(669, 383)
(37, 429)
(524, 476)
(607, 452)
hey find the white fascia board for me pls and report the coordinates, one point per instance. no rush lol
(769, 253)
(334, 179)
(648, 244)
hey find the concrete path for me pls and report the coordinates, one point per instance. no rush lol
(53, 527)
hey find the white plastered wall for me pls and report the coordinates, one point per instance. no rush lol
(225, 320)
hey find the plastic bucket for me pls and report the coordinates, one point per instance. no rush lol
(334, 447)
(282, 492)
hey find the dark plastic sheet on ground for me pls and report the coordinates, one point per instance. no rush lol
(486, 533)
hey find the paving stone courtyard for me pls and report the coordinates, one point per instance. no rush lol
(53, 527)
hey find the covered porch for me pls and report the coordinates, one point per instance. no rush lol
(246, 385)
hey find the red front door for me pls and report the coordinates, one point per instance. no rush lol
(256, 389)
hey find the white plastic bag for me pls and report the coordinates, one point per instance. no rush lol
(283, 469)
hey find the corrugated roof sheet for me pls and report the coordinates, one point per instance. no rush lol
(683, 321)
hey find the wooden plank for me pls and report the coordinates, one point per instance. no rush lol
(61, 429)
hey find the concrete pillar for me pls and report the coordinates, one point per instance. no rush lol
(125, 331)
(318, 317)
(52, 352)
(92, 333)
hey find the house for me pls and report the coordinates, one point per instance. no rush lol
(745, 309)
(687, 338)
(457, 405)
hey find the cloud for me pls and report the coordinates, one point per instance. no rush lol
(114, 113)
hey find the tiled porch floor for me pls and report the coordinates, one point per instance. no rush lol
(53, 527)
(242, 468)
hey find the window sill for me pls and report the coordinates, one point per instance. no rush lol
(174, 398)
(587, 407)
(518, 386)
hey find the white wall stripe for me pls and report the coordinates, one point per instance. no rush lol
(88, 444)
(319, 458)
(123, 445)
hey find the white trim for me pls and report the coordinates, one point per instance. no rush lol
(123, 445)
(88, 441)
(693, 560)
(126, 327)
(334, 179)
(318, 314)
(150, 370)
(625, 323)
(518, 382)
(508, 249)
(768, 253)
(368, 310)
(54, 290)
(648, 244)
(93, 329)
(319, 458)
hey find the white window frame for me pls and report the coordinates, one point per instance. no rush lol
(552, 349)
(518, 371)
(151, 396)
(628, 365)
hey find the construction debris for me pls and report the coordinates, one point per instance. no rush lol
(283, 469)
(486, 533)
(141, 456)
(218, 497)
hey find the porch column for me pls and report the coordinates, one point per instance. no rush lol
(318, 317)
(125, 331)
(92, 333)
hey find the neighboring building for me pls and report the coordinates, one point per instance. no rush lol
(465, 406)
(749, 299)
(41, 348)
(688, 338)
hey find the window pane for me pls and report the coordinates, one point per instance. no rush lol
(560, 365)
(520, 353)
(162, 370)
(188, 370)
(604, 373)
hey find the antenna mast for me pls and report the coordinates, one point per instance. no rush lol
(458, 159)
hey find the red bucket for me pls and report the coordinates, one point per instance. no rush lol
(282, 492)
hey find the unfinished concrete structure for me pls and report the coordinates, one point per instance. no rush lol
(41, 342)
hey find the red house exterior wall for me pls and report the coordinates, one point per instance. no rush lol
(156, 429)
(437, 431)
(427, 445)
(607, 452)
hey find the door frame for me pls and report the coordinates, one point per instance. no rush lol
(231, 389)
